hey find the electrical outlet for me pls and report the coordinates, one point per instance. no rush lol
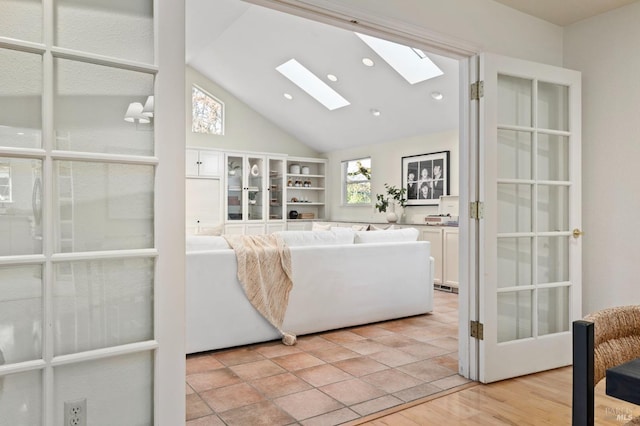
(75, 413)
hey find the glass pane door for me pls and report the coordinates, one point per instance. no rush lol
(276, 186)
(533, 199)
(77, 212)
(530, 262)
(20, 98)
(255, 188)
(235, 192)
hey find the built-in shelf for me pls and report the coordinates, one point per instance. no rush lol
(314, 194)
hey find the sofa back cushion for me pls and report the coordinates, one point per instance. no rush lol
(317, 238)
(390, 236)
(206, 242)
(373, 227)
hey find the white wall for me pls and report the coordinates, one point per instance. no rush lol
(386, 168)
(245, 129)
(605, 50)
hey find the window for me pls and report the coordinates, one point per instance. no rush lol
(207, 113)
(5, 183)
(357, 181)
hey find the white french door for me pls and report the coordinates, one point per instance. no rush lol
(529, 238)
(85, 294)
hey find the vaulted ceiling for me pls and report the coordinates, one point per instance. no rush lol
(239, 45)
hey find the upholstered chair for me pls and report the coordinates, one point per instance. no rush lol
(602, 340)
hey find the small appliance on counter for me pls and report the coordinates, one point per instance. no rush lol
(448, 212)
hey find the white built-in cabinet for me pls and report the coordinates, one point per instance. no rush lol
(204, 170)
(257, 191)
(204, 163)
(254, 193)
(444, 250)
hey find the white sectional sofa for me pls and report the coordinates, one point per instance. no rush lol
(341, 278)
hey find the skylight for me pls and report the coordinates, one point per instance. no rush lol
(310, 83)
(410, 63)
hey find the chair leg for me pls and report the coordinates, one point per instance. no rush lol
(583, 386)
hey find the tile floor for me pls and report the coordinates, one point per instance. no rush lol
(327, 378)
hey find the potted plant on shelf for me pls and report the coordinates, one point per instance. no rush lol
(387, 202)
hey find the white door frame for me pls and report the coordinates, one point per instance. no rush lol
(170, 367)
(353, 19)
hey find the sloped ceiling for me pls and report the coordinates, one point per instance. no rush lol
(239, 45)
(564, 12)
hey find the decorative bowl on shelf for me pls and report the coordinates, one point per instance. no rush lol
(294, 169)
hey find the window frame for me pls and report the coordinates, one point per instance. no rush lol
(215, 99)
(5, 171)
(344, 167)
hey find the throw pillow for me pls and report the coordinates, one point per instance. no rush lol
(381, 227)
(392, 236)
(214, 231)
(317, 238)
(317, 226)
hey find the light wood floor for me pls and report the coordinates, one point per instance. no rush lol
(537, 399)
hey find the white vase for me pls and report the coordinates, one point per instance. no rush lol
(392, 217)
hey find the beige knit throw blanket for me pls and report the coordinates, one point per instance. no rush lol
(264, 270)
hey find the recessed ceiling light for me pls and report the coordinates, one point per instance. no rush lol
(310, 83)
(288, 96)
(438, 96)
(375, 112)
(332, 77)
(410, 63)
(368, 62)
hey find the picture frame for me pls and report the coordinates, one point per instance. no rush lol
(426, 178)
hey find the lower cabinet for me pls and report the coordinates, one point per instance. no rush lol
(240, 229)
(276, 227)
(450, 258)
(444, 250)
(254, 228)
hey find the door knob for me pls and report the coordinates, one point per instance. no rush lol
(577, 233)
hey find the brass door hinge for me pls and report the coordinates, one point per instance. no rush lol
(477, 90)
(476, 210)
(477, 330)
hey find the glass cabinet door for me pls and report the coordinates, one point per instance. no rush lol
(275, 189)
(255, 188)
(235, 191)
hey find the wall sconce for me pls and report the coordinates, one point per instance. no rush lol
(137, 113)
